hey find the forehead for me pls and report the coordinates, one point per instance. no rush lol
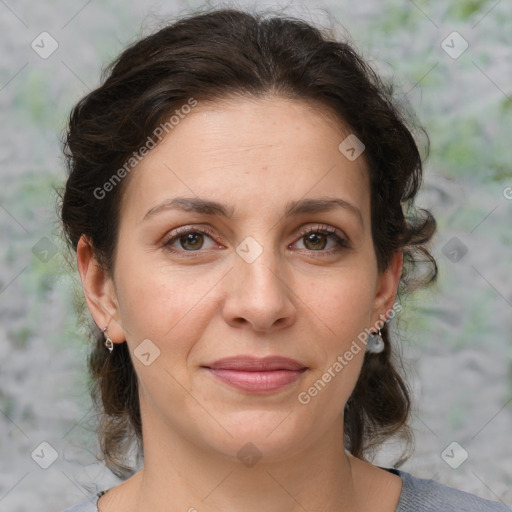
(248, 153)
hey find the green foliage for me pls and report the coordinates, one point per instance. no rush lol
(457, 415)
(465, 9)
(20, 336)
(460, 147)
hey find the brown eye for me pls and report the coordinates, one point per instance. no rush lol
(187, 240)
(194, 239)
(316, 240)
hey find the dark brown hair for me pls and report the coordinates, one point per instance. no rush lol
(215, 55)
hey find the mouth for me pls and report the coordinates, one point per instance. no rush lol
(257, 375)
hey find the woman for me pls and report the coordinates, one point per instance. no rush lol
(240, 200)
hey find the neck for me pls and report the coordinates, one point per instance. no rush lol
(179, 474)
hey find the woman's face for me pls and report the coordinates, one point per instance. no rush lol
(247, 283)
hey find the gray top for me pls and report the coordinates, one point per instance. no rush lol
(418, 495)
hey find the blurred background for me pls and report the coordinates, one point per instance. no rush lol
(452, 62)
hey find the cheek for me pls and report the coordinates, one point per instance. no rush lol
(169, 307)
(343, 303)
(342, 308)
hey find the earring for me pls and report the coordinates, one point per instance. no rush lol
(375, 343)
(108, 342)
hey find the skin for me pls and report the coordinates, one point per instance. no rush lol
(290, 301)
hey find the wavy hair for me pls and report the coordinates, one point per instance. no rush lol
(216, 55)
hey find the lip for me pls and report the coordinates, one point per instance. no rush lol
(256, 364)
(257, 375)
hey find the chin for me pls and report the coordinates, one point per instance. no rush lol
(258, 436)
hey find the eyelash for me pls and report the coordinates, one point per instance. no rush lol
(326, 230)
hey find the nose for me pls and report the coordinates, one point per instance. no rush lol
(258, 293)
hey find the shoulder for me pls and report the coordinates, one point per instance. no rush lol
(422, 495)
(418, 495)
(89, 505)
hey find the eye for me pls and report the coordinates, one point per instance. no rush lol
(189, 239)
(315, 239)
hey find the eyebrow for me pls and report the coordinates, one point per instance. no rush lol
(210, 207)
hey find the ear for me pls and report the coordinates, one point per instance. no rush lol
(99, 292)
(387, 287)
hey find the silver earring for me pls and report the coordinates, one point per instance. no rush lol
(375, 344)
(108, 342)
